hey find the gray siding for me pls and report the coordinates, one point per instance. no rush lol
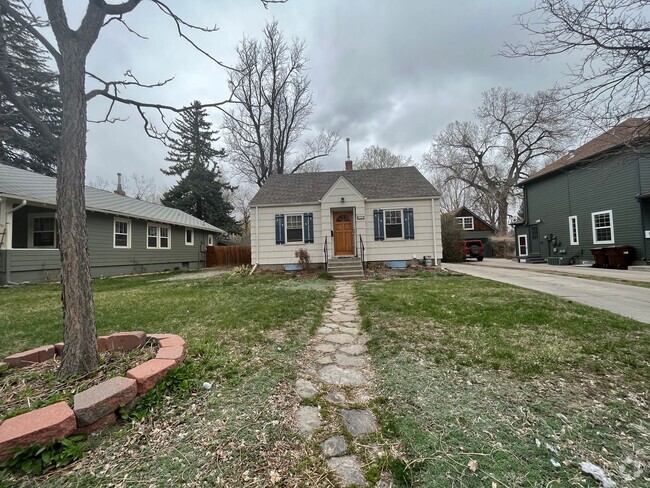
(37, 265)
(612, 184)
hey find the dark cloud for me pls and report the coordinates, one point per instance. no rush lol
(391, 73)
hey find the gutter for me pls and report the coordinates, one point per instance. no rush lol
(10, 228)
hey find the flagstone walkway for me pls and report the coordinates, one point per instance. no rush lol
(335, 385)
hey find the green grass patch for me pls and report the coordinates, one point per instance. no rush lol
(487, 383)
(244, 334)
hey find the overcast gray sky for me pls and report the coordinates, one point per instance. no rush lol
(385, 72)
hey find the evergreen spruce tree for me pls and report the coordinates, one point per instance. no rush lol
(200, 190)
(23, 59)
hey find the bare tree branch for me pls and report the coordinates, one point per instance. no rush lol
(513, 134)
(611, 39)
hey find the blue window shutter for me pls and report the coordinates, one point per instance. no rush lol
(379, 225)
(409, 229)
(279, 229)
(308, 227)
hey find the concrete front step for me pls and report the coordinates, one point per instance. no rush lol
(351, 275)
(346, 268)
(349, 267)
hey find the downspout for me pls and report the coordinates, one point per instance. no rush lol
(257, 236)
(433, 220)
(9, 228)
(643, 238)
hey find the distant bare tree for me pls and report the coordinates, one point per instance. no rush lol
(612, 41)
(274, 103)
(375, 157)
(513, 134)
(142, 187)
(135, 185)
(240, 199)
(99, 183)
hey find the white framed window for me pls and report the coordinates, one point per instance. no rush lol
(210, 240)
(522, 244)
(573, 230)
(603, 227)
(158, 236)
(189, 236)
(393, 224)
(293, 228)
(467, 223)
(42, 230)
(121, 233)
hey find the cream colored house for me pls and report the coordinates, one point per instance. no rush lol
(375, 215)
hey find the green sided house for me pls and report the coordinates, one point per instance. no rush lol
(125, 235)
(375, 215)
(594, 197)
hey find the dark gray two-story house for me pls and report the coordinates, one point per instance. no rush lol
(125, 235)
(596, 196)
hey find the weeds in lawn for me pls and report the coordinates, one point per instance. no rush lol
(244, 335)
(491, 385)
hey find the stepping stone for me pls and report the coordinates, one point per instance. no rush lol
(359, 422)
(325, 347)
(339, 338)
(308, 420)
(324, 360)
(354, 349)
(335, 375)
(337, 397)
(334, 446)
(305, 389)
(348, 470)
(323, 330)
(349, 330)
(345, 361)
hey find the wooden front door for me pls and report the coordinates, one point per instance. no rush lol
(343, 234)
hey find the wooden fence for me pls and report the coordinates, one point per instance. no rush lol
(227, 255)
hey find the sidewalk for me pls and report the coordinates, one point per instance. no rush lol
(619, 274)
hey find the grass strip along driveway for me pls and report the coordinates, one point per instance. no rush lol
(244, 335)
(486, 384)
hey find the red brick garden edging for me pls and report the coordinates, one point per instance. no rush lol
(93, 408)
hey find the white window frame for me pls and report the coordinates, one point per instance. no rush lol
(594, 228)
(401, 213)
(30, 229)
(463, 220)
(574, 238)
(525, 236)
(158, 236)
(210, 240)
(128, 233)
(286, 228)
(191, 231)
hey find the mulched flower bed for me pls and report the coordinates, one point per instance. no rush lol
(36, 386)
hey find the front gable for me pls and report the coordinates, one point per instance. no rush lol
(342, 188)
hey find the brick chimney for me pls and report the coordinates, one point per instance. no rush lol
(348, 162)
(119, 190)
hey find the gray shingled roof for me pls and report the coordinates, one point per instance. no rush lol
(29, 186)
(373, 184)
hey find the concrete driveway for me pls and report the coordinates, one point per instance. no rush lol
(626, 300)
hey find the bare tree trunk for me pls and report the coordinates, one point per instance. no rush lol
(502, 224)
(80, 352)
